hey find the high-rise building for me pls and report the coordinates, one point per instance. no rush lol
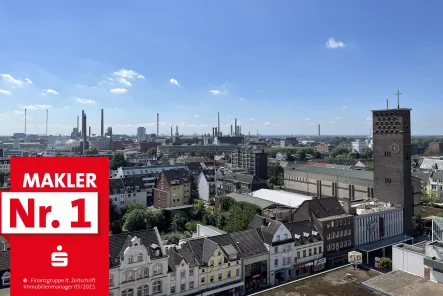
(141, 133)
(392, 162)
(253, 160)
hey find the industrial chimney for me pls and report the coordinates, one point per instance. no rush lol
(84, 131)
(89, 132)
(319, 130)
(218, 125)
(77, 124)
(158, 122)
(25, 121)
(231, 129)
(235, 125)
(102, 124)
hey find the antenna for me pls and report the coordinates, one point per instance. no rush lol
(46, 122)
(398, 98)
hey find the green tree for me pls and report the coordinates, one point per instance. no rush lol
(354, 155)
(302, 155)
(317, 155)
(155, 217)
(240, 216)
(430, 198)
(131, 207)
(198, 210)
(135, 220)
(369, 167)
(192, 153)
(118, 160)
(226, 203)
(385, 262)
(178, 223)
(152, 152)
(191, 226)
(366, 153)
(275, 174)
(339, 151)
(58, 154)
(113, 212)
(432, 152)
(92, 151)
(173, 237)
(210, 219)
(116, 227)
(289, 157)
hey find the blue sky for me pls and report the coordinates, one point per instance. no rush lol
(271, 64)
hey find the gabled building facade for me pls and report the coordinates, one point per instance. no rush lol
(138, 264)
(278, 240)
(173, 189)
(182, 273)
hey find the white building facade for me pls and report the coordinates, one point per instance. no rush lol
(358, 145)
(280, 256)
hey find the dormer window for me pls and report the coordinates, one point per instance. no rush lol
(286, 236)
(140, 257)
(157, 253)
(278, 237)
(130, 259)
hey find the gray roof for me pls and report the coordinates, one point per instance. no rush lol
(262, 203)
(266, 228)
(437, 175)
(421, 176)
(333, 172)
(431, 163)
(300, 228)
(249, 243)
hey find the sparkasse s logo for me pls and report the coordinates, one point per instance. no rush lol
(59, 206)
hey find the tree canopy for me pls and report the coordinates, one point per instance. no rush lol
(275, 174)
(340, 151)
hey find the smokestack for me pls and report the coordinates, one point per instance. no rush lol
(231, 129)
(171, 131)
(25, 121)
(239, 130)
(84, 131)
(46, 122)
(319, 130)
(176, 130)
(387, 104)
(236, 133)
(216, 132)
(77, 124)
(158, 121)
(102, 124)
(89, 132)
(218, 126)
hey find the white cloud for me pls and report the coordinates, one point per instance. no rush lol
(332, 43)
(18, 112)
(339, 118)
(50, 91)
(345, 107)
(123, 81)
(119, 90)
(331, 122)
(196, 116)
(15, 82)
(174, 82)
(128, 74)
(5, 92)
(36, 107)
(215, 91)
(251, 119)
(85, 101)
(267, 123)
(243, 100)
(308, 119)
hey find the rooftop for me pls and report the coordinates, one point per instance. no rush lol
(347, 173)
(293, 200)
(399, 283)
(330, 283)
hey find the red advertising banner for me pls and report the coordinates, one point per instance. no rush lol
(56, 219)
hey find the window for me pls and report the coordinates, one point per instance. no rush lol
(157, 287)
(276, 262)
(139, 274)
(130, 292)
(345, 243)
(369, 191)
(310, 252)
(124, 293)
(211, 263)
(111, 280)
(130, 259)
(341, 233)
(183, 273)
(327, 225)
(349, 231)
(278, 237)
(229, 274)
(332, 234)
(319, 249)
(157, 268)
(275, 249)
(337, 246)
(140, 257)
(191, 272)
(139, 291)
(203, 280)
(286, 236)
(315, 251)
(328, 236)
(341, 221)
(298, 254)
(219, 260)
(237, 271)
(349, 242)
(211, 279)
(349, 221)
(332, 224)
(172, 290)
(146, 272)
(191, 285)
(341, 244)
(388, 180)
(332, 246)
(387, 153)
(182, 287)
(304, 253)
(219, 277)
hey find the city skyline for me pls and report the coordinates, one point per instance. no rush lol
(277, 69)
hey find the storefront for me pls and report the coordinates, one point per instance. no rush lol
(303, 269)
(256, 281)
(319, 265)
(337, 261)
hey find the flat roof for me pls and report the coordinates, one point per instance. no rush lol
(385, 242)
(347, 173)
(335, 282)
(400, 283)
(293, 200)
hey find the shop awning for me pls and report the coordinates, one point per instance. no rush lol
(385, 243)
